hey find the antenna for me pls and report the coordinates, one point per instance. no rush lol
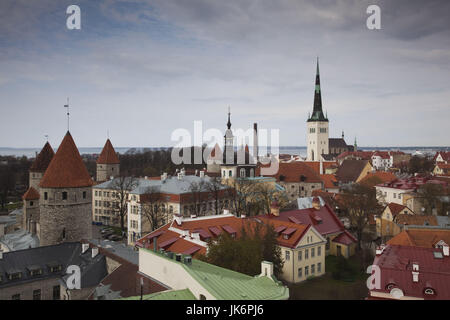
(68, 113)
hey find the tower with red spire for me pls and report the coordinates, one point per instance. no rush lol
(108, 164)
(65, 193)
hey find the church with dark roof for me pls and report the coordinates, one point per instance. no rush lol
(319, 145)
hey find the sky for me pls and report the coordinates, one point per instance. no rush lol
(138, 70)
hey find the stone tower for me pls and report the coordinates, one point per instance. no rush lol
(317, 126)
(30, 199)
(65, 197)
(39, 165)
(31, 211)
(108, 164)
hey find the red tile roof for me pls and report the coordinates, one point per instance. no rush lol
(40, 164)
(173, 241)
(345, 238)
(329, 181)
(396, 270)
(444, 154)
(294, 172)
(415, 220)
(426, 238)
(31, 194)
(66, 170)
(378, 177)
(108, 154)
(396, 208)
(315, 165)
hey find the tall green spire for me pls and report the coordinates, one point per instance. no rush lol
(317, 114)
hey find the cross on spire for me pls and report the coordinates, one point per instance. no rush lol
(229, 122)
(68, 113)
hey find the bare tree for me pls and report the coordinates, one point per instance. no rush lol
(216, 189)
(153, 207)
(198, 193)
(242, 196)
(122, 185)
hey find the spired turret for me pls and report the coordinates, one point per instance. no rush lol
(65, 197)
(39, 165)
(108, 164)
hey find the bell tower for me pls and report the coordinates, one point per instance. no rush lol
(317, 126)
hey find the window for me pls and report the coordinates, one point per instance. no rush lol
(313, 268)
(319, 267)
(299, 272)
(16, 296)
(37, 294)
(56, 293)
(306, 253)
(306, 271)
(287, 255)
(319, 251)
(64, 195)
(312, 252)
(84, 194)
(230, 173)
(242, 172)
(31, 203)
(15, 276)
(328, 244)
(45, 196)
(300, 256)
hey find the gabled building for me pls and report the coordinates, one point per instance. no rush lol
(442, 157)
(302, 246)
(339, 241)
(425, 238)
(351, 171)
(386, 225)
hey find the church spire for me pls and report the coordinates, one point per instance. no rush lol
(229, 122)
(317, 114)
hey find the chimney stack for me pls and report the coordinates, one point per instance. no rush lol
(94, 252)
(202, 174)
(255, 141)
(84, 247)
(445, 250)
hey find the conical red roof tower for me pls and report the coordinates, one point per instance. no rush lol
(108, 155)
(66, 170)
(43, 159)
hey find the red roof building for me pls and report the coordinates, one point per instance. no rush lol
(411, 273)
(66, 170)
(108, 154)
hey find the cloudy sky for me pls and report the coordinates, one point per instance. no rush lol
(141, 69)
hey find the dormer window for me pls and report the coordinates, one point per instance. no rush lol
(15, 275)
(35, 271)
(429, 291)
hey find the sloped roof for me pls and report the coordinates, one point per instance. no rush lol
(225, 284)
(426, 238)
(337, 143)
(108, 154)
(66, 170)
(184, 294)
(415, 220)
(345, 238)
(294, 171)
(350, 170)
(31, 194)
(396, 208)
(378, 177)
(396, 268)
(40, 164)
(329, 181)
(315, 165)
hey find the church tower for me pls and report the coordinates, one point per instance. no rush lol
(65, 197)
(108, 164)
(317, 126)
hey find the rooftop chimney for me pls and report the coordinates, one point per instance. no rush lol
(380, 250)
(225, 211)
(445, 250)
(266, 269)
(94, 252)
(415, 276)
(316, 203)
(84, 247)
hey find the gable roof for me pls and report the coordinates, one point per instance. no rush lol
(329, 181)
(350, 170)
(426, 238)
(108, 154)
(315, 165)
(396, 208)
(336, 143)
(40, 164)
(31, 194)
(377, 177)
(66, 170)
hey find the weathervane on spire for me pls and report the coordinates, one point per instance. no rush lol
(229, 122)
(68, 113)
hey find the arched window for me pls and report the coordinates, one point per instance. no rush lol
(242, 172)
(252, 173)
(230, 173)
